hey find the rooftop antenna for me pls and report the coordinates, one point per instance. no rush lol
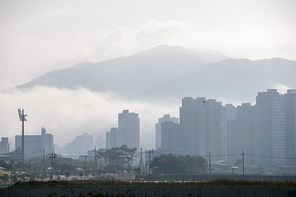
(22, 117)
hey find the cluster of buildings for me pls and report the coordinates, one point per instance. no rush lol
(265, 133)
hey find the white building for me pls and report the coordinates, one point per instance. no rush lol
(128, 132)
(199, 131)
(34, 144)
(129, 129)
(100, 142)
(165, 118)
(111, 138)
(172, 138)
(275, 127)
(4, 145)
(238, 140)
(229, 112)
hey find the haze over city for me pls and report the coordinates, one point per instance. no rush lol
(41, 37)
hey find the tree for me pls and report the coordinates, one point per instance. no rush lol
(5, 178)
(80, 173)
(14, 178)
(118, 157)
(171, 164)
(67, 174)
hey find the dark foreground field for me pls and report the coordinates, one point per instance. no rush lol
(221, 187)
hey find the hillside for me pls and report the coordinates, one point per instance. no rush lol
(238, 79)
(125, 75)
(172, 72)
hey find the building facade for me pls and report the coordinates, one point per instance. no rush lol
(275, 127)
(80, 145)
(4, 145)
(34, 144)
(229, 112)
(165, 118)
(127, 133)
(129, 129)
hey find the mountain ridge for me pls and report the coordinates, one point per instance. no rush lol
(173, 72)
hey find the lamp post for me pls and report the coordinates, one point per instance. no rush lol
(22, 117)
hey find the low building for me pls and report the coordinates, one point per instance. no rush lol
(34, 144)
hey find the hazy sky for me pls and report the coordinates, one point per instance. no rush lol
(41, 36)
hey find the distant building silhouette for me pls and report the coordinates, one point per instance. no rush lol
(4, 145)
(80, 145)
(241, 134)
(128, 132)
(111, 138)
(165, 118)
(100, 142)
(199, 131)
(34, 144)
(229, 112)
(172, 138)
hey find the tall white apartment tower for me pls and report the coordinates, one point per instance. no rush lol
(202, 126)
(229, 112)
(240, 134)
(290, 126)
(129, 129)
(272, 127)
(165, 118)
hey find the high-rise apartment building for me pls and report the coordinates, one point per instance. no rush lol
(111, 138)
(34, 144)
(275, 127)
(241, 134)
(229, 112)
(199, 131)
(100, 142)
(128, 132)
(80, 145)
(165, 118)
(193, 117)
(172, 138)
(291, 124)
(4, 145)
(129, 129)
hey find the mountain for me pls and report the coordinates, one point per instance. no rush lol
(126, 75)
(172, 72)
(231, 79)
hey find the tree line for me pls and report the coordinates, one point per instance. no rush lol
(181, 164)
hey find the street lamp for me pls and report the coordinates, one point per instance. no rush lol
(22, 117)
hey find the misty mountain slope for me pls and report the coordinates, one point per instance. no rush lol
(232, 79)
(210, 55)
(125, 75)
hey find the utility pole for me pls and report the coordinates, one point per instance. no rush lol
(96, 162)
(141, 162)
(43, 151)
(243, 160)
(210, 165)
(22, 117)
(52, 155)
(149, 164)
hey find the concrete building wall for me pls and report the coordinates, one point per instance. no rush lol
(165, 118)
(129, 124)
(172, 138)
(34, 144)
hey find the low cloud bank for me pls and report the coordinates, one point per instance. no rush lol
(68, 113)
